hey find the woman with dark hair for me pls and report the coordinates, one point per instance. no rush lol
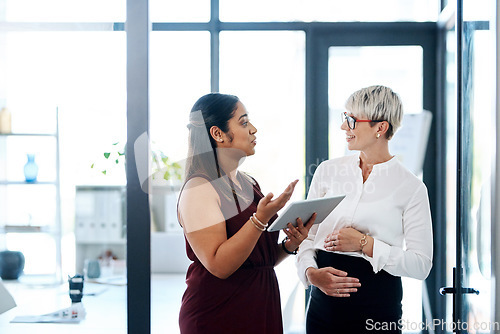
(231, 284)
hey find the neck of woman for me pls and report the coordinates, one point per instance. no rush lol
(375, 155)
(228, 163)
(368, 159)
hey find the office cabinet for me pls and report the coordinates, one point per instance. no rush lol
(99, 223)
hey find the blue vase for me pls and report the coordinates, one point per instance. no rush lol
(31, 169)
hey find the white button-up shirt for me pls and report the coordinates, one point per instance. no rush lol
(391, 206)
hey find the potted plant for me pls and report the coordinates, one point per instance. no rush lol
(165, 180)
(163, 168)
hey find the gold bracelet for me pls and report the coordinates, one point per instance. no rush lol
(262, 229)
(363, 241)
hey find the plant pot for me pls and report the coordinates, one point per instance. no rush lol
(11, 264)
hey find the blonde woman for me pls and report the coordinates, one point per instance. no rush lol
(381, 231)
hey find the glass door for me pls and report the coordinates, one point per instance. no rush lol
(472, 299)
(400, 68)
(342, 61)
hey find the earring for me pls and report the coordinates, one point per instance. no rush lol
(378, 135)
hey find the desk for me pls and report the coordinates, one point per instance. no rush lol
(106, 311)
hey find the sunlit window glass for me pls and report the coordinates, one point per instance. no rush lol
(266, 71)
(179, 11)
(64, 11)
(76, 78)
(179, 75)
(328, 11)
(352, 68)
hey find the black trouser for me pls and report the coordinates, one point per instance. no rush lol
(374, 308)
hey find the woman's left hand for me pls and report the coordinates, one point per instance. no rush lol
(298, 234)
(344, 240)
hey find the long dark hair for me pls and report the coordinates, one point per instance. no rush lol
(214, 109)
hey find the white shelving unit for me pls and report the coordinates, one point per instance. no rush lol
(99, 223)
(30, 212)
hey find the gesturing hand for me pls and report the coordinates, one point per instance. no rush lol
(332, 282)
(268, 207)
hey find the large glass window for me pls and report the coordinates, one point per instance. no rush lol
(50, 73)
(75, 71)
(266, 71)
(71, 220)
(328, 11)
(179, 11)
(177, 79)
(64, 11)
(352, 68)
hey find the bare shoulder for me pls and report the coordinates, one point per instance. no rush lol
(198, 198)
(198, 188)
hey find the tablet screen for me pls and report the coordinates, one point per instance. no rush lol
(304, 209)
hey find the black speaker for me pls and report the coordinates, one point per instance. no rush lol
(11, 264)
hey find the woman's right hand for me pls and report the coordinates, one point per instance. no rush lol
(332, 282)
(268, 206)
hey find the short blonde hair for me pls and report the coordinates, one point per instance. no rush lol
(378, 103)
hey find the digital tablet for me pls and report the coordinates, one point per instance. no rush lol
(304, 209)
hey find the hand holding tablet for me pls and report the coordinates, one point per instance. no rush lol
(304, 209)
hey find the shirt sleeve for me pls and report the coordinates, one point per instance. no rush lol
(306, 256)
(416, 259)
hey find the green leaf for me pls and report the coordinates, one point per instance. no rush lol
(92, 166)
(104, 172)
(106, 155)
(117, 162)
(116, 143)
(121, 153)
(166, 176)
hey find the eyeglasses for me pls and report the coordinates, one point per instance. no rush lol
(351, 121)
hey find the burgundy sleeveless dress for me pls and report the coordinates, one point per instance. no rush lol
(248, 301)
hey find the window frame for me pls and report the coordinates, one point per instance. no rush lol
(319, 35)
